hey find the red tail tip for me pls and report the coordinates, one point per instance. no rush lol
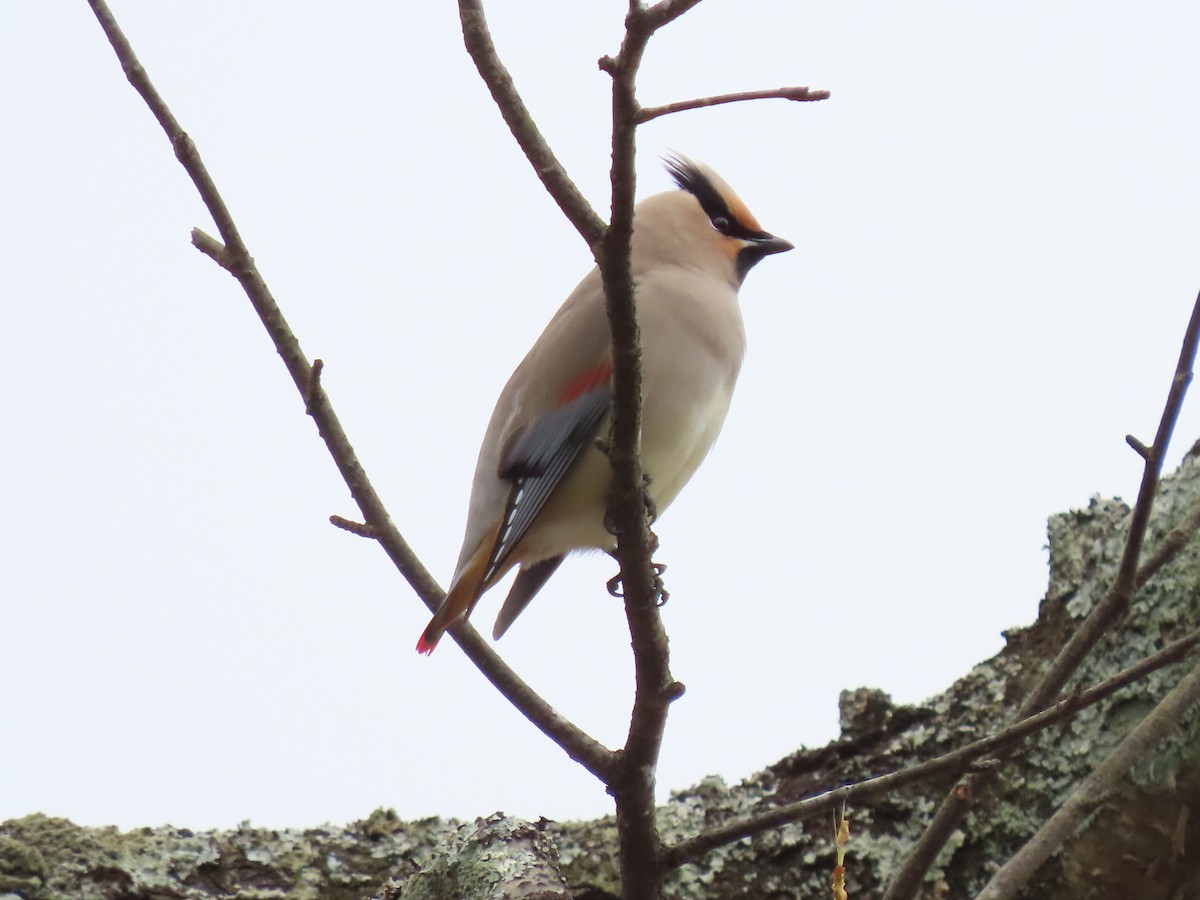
(425, 645)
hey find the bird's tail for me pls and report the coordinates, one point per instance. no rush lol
(460, 600)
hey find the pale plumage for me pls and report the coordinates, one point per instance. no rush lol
(541, 484)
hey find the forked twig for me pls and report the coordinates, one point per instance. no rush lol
(1107, 611)
(234, 257)
(362, 529)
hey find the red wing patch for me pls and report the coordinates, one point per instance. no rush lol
(588, 381)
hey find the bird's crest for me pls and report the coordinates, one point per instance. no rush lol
(716, 198)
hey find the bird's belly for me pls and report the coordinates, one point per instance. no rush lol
(573, 517)
(675, 439)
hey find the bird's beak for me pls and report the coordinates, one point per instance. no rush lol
(768, 244)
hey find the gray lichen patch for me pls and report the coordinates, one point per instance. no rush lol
(43, 858)
(493, 858)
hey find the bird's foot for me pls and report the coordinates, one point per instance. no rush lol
(610, 519)
(660, 589)
(648, 500)
(662, 595)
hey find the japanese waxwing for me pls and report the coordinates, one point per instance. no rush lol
(541, 484)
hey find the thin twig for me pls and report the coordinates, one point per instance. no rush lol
(1175, 540)
(959, 760)
(360, 528)
(1094, 790)
(1141, 449)
(210, 247)
(235, 258)
(478, 41)
(1107, 611)
(801, 94)
(662, 13)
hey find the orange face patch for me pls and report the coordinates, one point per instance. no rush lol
(740, 213)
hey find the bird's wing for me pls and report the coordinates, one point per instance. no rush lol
(538, 458)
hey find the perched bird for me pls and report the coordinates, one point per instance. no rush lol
(541, 484)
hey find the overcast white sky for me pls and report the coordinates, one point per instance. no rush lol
(997, 249)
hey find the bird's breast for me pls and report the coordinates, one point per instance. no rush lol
(692, 349)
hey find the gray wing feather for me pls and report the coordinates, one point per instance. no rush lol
(538, 460)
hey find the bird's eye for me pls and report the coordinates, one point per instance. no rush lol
(721, 224)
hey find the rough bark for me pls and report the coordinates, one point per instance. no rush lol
(1140, 842)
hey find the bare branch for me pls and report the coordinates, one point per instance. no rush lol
(574, 205)
(185, 150)
(1106, 612)
(801, 94)
(962, 759)
(234, 257)
(642, 864)
(1120, 594)
(1093, 791)
(634, 777)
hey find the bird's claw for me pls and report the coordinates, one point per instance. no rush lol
(648, 499)
(610, 519)
(660, 589)
(617, 589)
